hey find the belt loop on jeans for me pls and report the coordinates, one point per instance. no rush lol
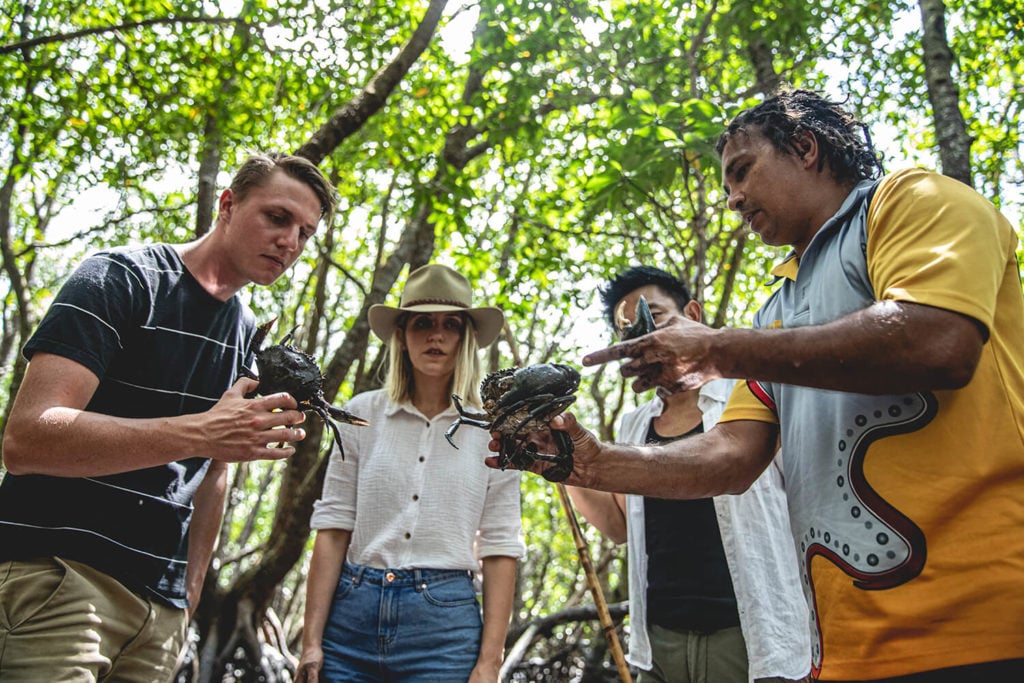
(357, 570)
(419, 583)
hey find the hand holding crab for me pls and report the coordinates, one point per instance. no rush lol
(283, 367)
(519, 402)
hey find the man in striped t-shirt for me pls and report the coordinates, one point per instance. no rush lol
(118, 441)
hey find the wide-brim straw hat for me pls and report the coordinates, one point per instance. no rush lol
(434, 289)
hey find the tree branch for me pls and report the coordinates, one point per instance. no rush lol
(126, 26)
(372, 97)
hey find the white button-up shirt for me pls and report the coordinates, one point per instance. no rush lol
(410, 499)
(758, 549)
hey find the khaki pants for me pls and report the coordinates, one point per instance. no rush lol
(692, 657)
(65, 621)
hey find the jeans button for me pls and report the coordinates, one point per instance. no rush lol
(390, 576)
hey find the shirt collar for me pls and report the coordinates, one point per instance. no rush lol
(791, 264)
(788, 267)
(407, 407)
(715, 390)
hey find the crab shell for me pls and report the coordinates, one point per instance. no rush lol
(285, 368)
(512, 386)
(518, 402)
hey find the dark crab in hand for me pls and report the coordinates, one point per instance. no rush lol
(518, 402)
(282, 367)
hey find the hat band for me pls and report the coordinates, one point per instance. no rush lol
(441, 302)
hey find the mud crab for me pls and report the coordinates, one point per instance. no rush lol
(518, 402)
(282, 367)
(643, 322)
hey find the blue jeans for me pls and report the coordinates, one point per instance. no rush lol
(412, 625)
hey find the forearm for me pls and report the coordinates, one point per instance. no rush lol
(329, 550)
(499, 583)
(603, 510)
(49, 430)
(208, 510)
(68, 442)
(888, 347)
(725, 460)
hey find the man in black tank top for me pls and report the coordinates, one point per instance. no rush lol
(118, 441)
(684, 609)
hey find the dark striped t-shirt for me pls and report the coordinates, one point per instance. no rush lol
(161, 346)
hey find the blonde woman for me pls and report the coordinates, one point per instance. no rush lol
(406, 520)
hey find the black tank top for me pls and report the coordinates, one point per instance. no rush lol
(688, 583)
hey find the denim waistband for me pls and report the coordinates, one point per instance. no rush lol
(400, 577)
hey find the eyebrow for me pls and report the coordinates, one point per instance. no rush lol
(291, 216)
(732, 165)
(729, 171)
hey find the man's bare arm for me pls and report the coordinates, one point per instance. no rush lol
(888, 347)
(725, 460)
(50, 432)
(604, 510)
(208, 510)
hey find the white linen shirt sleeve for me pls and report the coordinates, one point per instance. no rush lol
(336, 508)
(500, 531)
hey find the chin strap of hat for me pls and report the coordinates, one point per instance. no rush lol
(583, 551)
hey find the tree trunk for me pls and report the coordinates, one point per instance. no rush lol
(209, 162)
(768, 81)
(950, 128)
(18, 270)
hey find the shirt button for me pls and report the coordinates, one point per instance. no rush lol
(422, 458)
(415, 497)
(407, 535)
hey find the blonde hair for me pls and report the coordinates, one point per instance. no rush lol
(398, 376)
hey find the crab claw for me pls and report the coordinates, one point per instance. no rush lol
(521, 455)
(327, 412)
(643, 323)
(347, 417)
(563, 462)
(261, 333)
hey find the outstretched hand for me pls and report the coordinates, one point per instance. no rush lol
(586, 448)
(676, 357)
(239, 429)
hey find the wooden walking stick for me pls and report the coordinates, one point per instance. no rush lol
(607, 626)
(604, 616)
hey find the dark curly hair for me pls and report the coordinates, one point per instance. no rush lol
(844, 142)
(641, 276)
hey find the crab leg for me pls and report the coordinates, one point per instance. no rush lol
(466, 418)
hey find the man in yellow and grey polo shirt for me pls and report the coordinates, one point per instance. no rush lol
(890, 362)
